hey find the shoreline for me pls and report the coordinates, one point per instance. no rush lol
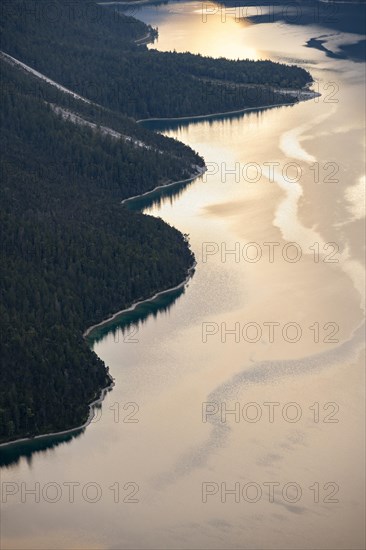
(236, 112)
(103, 393)
(149, 38)
(189, 274)
(200, 171)
(106, 389)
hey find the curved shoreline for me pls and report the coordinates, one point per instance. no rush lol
(189, 274)
(193, 118)
(214, 115)
(200, 171)
(91, 405)
(106, 389)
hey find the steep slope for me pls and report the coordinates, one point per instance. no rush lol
(71, 254)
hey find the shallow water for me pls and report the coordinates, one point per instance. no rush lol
(296, 182)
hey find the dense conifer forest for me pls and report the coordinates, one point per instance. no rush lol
(94, 52)
(70, 253)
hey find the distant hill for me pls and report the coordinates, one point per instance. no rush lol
(98, 57)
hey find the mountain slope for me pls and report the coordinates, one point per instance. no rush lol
(71, 254)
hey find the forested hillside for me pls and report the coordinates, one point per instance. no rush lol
(97, 57)
(71, 254)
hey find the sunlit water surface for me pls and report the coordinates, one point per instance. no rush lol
(149, 433)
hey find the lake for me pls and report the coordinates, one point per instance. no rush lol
(237, 416)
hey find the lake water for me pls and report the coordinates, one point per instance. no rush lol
(237, 417)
